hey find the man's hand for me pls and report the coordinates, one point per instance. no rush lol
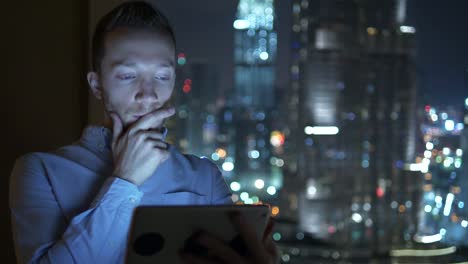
(262, 251)
(139, 150)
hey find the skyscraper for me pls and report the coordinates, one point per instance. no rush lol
(352, 108)
(248, 120)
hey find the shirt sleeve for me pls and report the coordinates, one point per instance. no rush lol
(41, 232)
(220, 191)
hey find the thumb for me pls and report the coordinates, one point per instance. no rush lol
(116, 127)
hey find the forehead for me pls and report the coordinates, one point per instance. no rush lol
(141, 45)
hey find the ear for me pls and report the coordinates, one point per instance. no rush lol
(93, 81)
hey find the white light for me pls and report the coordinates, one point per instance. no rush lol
(416, 166)
(461, 204)
(466, 101)
(427, 154)
(444, 116)
(244, 196)
(464, 223)
(279, 162)
(241, 24)
(235, 186)
(448, 204)
(427, 208)
(311, 191)
(422, 252)
(407, 29)
(215, 156)
(447, 163)
(429, 145)
(446, 151)
(449, 125)
(321, 130)
(228, 166)
(426, 161)
(443, 231)
(271, 190)
(254, 154)
(427, 239)
(356, 218)
(459, 152)
(457, 164)
(366, 207)
(434, 117)
(263, 55)
(438, 199)
(259, 184)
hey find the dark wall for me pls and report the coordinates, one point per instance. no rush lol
(46, 92)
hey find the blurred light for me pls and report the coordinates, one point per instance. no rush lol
(457, 163)
(443, 231)
(461, 204)
(366, 207)
(429, 145)
(254, 154)
(417, 167)
(279, 162)
(427, 239)
(459, 152)
(401, 208)
(263, 55)
(422, 252)
(277, 139)
(438, 199)
(444, 116)
(244, 196)
(221, 153)
(394, 205)
(427, 154)
(276, 236)
(446, 151)
(407, 29)
(311, 191)
(427, 208)
(466, 101)
(255, 199)
(427, 108)
(241, 24)
(235, 186)
(186, 88)
(215, 156)
(259, 184)
(271, 190)
(275, 210)
(434, 117)
(460, 126)
(300, 236)
(408, 204)
(371, 31)
(285, 258)
(447, 163)
(321, 130)
(248, 201)
(448, 204)
(331, 229)
(368, 222)
(464, 223)
(356, 218)
(181, 60)
(228, 166)
(234, 198)
(380, 192)
(449, 125)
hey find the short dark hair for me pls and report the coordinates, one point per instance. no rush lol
(136, 15)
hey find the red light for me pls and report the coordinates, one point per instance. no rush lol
(331, 229)
(186, 88)
(188, 82)
(427, 108)
(380, 192)
(181, 55)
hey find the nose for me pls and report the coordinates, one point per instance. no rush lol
(146, 92)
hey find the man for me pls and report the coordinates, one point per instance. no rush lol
(74, 205)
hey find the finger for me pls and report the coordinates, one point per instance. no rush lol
(160, 145)
(152, 134)
(249, 236)
(219, 249)
(192, 259)
(116, 126)
(152, 120)
(268, 229)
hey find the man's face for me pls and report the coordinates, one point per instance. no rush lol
(137, 73)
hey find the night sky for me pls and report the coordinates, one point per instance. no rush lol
(204, 33)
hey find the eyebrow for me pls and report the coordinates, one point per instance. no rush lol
(166, 63)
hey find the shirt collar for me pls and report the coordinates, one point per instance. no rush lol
(97, 137)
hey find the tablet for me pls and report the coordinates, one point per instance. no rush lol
(158, 233)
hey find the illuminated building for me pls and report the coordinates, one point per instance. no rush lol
(352, 118)
(195, 128)
(444, 191)
(247, 123)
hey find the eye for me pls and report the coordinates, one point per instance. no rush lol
(162, 78)
(126, 76)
